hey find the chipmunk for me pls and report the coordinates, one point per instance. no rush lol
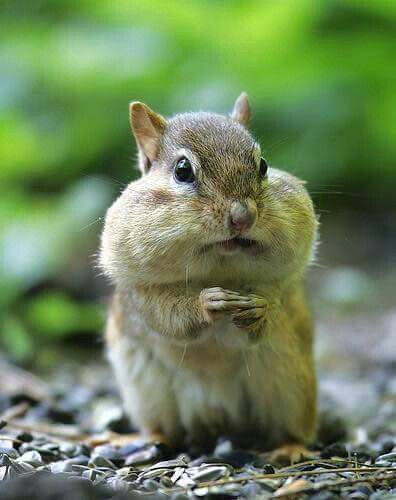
(209, 330)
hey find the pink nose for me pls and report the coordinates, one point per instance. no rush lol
(242, 215)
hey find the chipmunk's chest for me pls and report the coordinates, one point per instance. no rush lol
(224, 334)
(219, 348)
(221, 353)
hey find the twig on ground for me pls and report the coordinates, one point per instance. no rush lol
(61, 431)
(16, 411)
(332, 484)
(329, 461)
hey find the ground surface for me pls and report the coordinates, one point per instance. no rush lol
(47, 448)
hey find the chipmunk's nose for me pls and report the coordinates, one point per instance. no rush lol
(242, 216)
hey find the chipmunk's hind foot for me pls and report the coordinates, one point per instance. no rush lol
(290, 454)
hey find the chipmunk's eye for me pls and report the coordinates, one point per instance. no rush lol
(263, 167)
(183, 170)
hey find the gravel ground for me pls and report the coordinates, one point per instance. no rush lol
(63, 443)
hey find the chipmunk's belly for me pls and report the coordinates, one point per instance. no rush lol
(196, 389)
(210, 386)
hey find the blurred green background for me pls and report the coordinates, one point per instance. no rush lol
(321, 77)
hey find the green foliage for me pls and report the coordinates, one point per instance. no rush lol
(321, 76)
(56, 314)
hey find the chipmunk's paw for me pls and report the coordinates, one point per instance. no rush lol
(290, 454)
(219, 300)
(252, 312)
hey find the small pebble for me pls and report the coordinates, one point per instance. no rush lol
(143, 457)
(53, 413)
(389, 457)
(166, 482)
(335, 450)
(180, 495)
(251, 490)
(383, 463)
(186, 482)
(120, 424)
(357, 495)
(177, 474)
(210, 473)
(130, 448)
(110, 453)
(69, 449)
(365, 488)
(11, 452)
(118, 484)
(90, 474)
(150, 485)
(17, 468)
(223, 447)
(99, 461)
(153, 474)
(79, 460)
(61, 466)
(25, 437)
(324, 495)
(46, 452)
(32, 457)
(180, 461)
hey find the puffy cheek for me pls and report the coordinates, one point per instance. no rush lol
(210, 218)
(308, 236)
(286, 241)
(167, 235)
(114, 244)
(282, 244)
(215, 215)
(300, 242)
(110, 251)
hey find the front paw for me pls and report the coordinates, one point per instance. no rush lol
(218, 300)
(251, 314)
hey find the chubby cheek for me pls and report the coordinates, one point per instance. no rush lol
(156, 197)
(292, 243)
(275, 238)
(211, 216)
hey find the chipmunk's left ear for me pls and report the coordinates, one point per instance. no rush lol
(242, 110)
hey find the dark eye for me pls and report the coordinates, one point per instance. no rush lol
(183, 171)
(263, 167)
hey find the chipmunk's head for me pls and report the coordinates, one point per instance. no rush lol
(206, 200)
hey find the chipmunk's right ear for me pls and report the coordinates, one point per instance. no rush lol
(242, 110)
(148, 128)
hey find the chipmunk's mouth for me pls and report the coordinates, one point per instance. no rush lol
(235, 245)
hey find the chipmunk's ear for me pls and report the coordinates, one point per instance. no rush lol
(242, 110)
(148, 128)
